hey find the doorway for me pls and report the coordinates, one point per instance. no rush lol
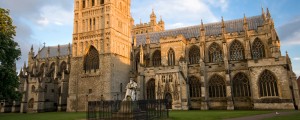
(168, 97)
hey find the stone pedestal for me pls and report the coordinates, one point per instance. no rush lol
(129, 111)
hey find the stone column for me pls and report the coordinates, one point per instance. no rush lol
(204, 94)
(230, 104)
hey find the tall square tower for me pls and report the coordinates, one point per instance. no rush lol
(101, 51)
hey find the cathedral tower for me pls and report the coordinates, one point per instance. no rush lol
(101, 51)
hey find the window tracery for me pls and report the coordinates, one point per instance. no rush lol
(156, 59)
(258, 50)
(91, 60)
(217, 87)
(236, 51)
(215, 53)
(195, 87)
(241, 86)
(268, 84)
(194, 55)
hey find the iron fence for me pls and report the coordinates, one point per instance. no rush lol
(127, 110)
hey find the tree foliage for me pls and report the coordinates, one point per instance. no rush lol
(9, 53)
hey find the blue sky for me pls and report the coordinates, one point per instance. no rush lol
(51, 21)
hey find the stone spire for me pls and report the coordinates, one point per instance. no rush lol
(263, 14)
(245, 26)
(153, 14)
(69, 49)
(153, 18)
(31, 49)
(223, 26)
(268, 13)
(223, 30)
(202, 32)
(58, 50)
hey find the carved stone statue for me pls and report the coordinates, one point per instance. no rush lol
(131, 91)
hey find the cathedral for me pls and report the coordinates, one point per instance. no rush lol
(229, 65)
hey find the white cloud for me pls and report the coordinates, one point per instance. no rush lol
(223, 4)
(43, 21)
(55, 15)
(178, 13)
(293, 39)
(296, 58)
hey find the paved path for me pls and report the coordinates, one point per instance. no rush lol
(263, 116)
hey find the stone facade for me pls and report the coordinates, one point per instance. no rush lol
(45, 79)
(235, 64)
(298, 82)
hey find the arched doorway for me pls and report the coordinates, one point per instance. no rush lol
(168, 97)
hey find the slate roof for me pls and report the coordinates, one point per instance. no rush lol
(53, 51)
(211, 29)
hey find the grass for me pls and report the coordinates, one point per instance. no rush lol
(212, 115)
(293, 116)
(174, 115)
(43, 116)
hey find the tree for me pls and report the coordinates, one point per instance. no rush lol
(9, 53)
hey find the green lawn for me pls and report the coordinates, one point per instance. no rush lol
(174, 115)
(43, 116)
(211, 115)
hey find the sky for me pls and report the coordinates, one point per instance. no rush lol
(51, 21)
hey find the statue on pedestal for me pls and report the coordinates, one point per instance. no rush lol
(131, 91)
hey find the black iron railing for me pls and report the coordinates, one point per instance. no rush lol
(127, 110)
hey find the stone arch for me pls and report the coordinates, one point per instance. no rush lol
(63, 66)
(91, 59)
(171, 57)
(268, 85)
(194, 55)
(236, 51)
(151, 89)
(42, 68)
(33, 88)
(217, 86)
(52, 69)
(156, 58)
(31, 103)
(195, 87)
(215, 53)
(258, 49)
(137, 60)
(241, 85)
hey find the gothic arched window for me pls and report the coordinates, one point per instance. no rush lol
(137, 61)
(236, 51)
(91, 60)
(241, 86)
(151, 89)
(194, 55)
(215, 53)
(171, 57)
(93, 2)
(32, 88)
(258, 49)
(101, 2)
(216, 87)
(52, 69)
(42, 68)
(31, 103)
(83, 3)
(195, 87)
(268, 84)
(63, 66)
(156, 59)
